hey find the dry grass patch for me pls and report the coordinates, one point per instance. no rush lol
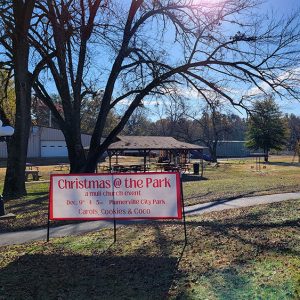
(239, 178)
(251, 253)
(231, 179)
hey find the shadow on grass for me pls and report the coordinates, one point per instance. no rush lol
(192, 177)
(254, 247)
(223, 284)
(219, 201)
(87, 277)
(37, 202)
(150, 273)
(234, 283)
(215, 202)
(283, 164)
(236, 228)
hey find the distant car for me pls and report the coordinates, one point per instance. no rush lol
(103, 157)
(197, 155)
(207, 157)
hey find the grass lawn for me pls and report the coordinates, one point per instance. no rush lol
(239, 178)
(251, 253)
(231, 179)
(31, 211)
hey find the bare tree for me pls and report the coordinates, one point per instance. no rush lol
(138, 123)
(7, 98)
(90, 107)
(294, 131)
(171, 113)
(212, 126)
(15, 23)
(62, 41)
(152, 46)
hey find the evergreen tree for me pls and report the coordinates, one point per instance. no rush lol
(267, 128)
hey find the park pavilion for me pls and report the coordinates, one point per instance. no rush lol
(171, 154)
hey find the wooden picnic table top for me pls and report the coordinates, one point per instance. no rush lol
(61, 166)
(30, 166)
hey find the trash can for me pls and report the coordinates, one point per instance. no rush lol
(196, 168)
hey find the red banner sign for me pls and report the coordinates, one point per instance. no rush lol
(115, 196)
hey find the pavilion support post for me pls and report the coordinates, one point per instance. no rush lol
(115, 221)
(145, 160)
(109, 161)
(201, 163)
(115, 230)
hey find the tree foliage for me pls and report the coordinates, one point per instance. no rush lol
(90, 107)
(7, 98)
(214, 124)
(294, 130)
(139, 124)
(267, 128)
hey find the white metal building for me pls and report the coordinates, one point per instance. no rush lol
(231, 149)
(46, 142)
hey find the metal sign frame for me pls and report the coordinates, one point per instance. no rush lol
(180, 203)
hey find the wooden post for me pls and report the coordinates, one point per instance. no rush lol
(109, 161)
(145, 160)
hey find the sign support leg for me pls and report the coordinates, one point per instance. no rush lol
(115, 230)
(48, 224)
(48, 231)
(183, 212)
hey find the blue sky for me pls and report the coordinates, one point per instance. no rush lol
(284, 7)
(279, 7)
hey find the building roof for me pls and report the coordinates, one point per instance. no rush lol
(151, 143)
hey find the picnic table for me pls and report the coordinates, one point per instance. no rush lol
(31, 166)
(32, 170)
(161, 166)
(185, 167)
(135, 168)
(103, 168)
(172, 168)
(119, 168)
(62, 167)
(34, 173)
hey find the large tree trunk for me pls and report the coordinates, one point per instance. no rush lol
(76, 153)
(14, 186)
(214, 157)
(212, 148)
(76, 157)
(266, 158)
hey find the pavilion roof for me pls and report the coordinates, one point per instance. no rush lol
(151, 143)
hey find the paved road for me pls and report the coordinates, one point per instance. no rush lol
(73, 229)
